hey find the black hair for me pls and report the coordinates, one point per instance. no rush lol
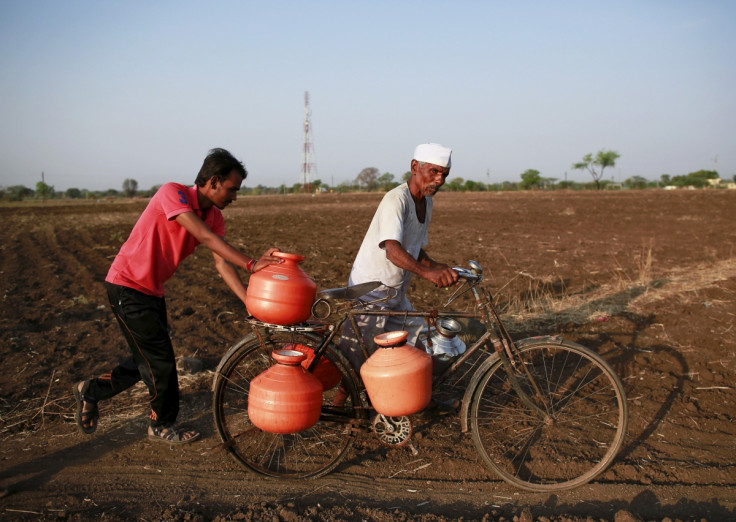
(219, 163)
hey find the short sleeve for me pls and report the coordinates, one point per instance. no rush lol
(174, 200)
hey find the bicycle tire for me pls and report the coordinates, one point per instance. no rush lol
(307, 454)
(582, 436)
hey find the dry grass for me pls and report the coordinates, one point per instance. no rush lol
(686, 281)
(547, 302)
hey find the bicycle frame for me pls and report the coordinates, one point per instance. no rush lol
(544, 413)
(496, 337)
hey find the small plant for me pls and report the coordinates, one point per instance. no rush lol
(645, 265)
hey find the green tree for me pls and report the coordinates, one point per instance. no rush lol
(130, 187)
(73, 193)
(695, 179)
(17, 193)
(474, 186)
(456, 184)
(635, 182)
(566, 185)
(344, 186)
(596, 166)
(368, 178)
(386, 181)
(530, 179)
(44, 191)
(406, 176)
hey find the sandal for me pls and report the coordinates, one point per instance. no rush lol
(173, 435)
(86, 419)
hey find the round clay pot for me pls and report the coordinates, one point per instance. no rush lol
(398, 376)
(281, 294)
(285, 398)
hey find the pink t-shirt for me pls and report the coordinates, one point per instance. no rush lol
(157, 244)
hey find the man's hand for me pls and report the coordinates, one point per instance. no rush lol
(425, 267)
(267, 259)
(441, 275)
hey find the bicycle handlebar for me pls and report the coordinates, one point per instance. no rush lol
(465, 273)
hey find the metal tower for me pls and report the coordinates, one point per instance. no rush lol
(308, 165)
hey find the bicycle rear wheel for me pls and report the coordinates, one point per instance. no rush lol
(581, 432)
(309, 453)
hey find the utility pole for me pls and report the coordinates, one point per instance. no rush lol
(308, 148)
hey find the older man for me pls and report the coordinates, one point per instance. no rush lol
(393, 249)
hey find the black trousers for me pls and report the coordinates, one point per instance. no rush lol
(143, 321)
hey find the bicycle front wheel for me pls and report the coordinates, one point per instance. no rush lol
(309, 453)
(561, 427)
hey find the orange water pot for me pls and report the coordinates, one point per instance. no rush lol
(398, 376)
(325, 371)
(281, 294)
(285, 398)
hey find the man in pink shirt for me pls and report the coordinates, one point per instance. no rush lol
(176, 220)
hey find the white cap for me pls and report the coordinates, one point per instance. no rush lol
(433, 153)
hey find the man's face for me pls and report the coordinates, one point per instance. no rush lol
(225, 192)
(428, 177)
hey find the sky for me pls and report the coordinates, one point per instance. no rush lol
(93, 93)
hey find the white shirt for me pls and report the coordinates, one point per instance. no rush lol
(395, 219)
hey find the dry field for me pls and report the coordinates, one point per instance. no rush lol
(645, 278)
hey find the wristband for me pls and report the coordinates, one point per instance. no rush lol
(249, 265)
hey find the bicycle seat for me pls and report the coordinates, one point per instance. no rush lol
(349, 292)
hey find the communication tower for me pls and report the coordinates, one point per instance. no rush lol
(308, 165)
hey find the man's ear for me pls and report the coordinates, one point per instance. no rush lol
(213, 182)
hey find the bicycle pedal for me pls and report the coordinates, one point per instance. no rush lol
(412, 447)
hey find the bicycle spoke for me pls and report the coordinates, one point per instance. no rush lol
(586, 407)
(310, 453)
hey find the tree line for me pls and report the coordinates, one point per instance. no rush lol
(371, 180)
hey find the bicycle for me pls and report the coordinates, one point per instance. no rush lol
(544, 413)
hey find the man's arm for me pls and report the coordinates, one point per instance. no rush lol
(230, 275)
(425, 267)
(203, 234)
